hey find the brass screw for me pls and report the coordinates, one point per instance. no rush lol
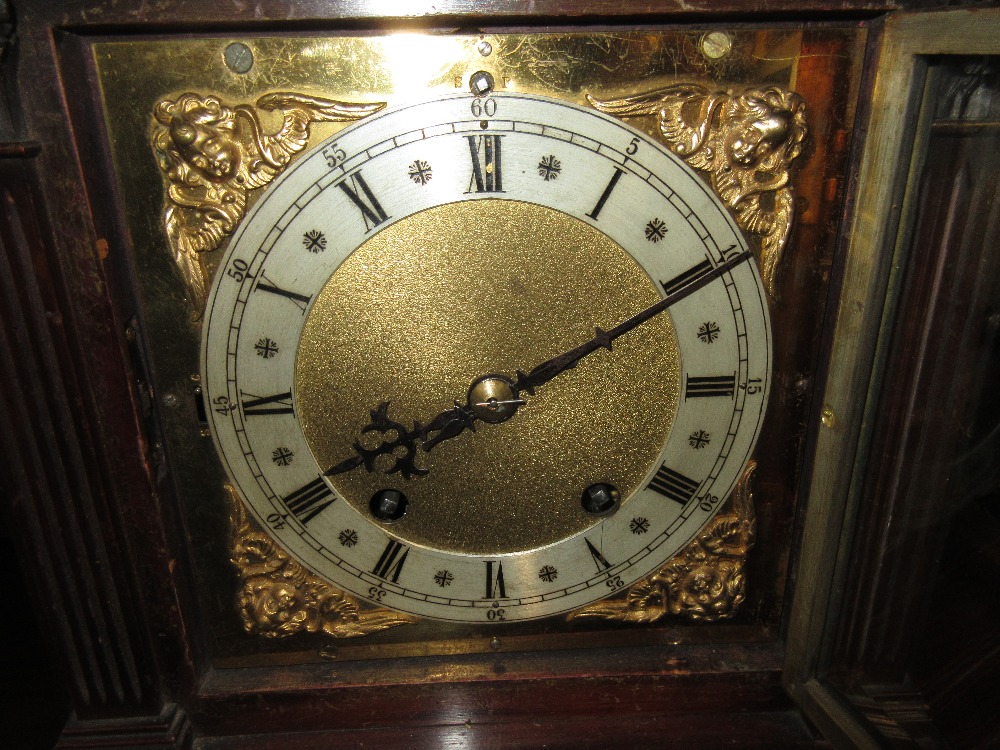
(239, 58)
(828, 418)
(716, 45)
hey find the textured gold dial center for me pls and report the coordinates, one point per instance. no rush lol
(432, 304)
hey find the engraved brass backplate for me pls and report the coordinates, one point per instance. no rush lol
(735, 98)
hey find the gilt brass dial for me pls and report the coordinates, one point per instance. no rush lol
(486, 359)
(426, 306)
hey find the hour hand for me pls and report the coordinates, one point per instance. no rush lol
(446, 425)
(495, 398)
(401, 442)
(396, 440)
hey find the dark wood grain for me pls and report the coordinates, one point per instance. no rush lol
(757, 731)
(918, 627)
(75, 465)
(57, 494)
(81, 15)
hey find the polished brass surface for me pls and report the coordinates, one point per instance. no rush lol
(136, 74)
(424, 308)
(212, 154)
(280, 598)
(747, 143)
(706, 581)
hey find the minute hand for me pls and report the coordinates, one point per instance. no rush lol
(547, 370)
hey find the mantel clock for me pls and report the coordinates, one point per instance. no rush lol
(451, 363)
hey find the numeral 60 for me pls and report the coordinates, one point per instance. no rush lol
(482, 107)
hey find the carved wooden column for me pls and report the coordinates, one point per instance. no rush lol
(74, 488)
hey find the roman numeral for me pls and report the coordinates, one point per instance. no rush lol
(391, 562)
(673, 485)
(265, 285)
(362, 196)
(709, 385)
(599, 560)
(606, 194)
(486, 170)
(494, 580)
(309, 501)
(692, 274)
(279, 403)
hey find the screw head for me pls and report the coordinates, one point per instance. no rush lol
(388, 505)
(601, 499)
(239, 58)
(716, 45)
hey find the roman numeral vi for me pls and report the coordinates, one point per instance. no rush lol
(494, 580)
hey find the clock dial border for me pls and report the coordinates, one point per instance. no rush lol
(584, 557)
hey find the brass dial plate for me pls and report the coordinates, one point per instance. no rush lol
(458, 291)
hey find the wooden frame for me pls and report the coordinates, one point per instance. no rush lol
(834, 539)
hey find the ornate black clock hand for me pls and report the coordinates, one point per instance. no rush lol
(447, 424)
(494, 398)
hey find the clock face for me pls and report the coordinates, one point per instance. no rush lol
(486, 359)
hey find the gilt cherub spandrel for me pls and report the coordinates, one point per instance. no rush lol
(746, 142)
(212, 154)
